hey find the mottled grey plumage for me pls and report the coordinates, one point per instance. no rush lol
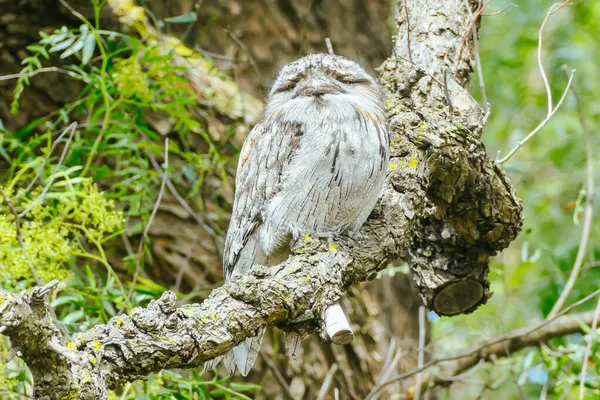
(315, 164)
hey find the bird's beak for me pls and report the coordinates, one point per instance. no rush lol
(317, 86)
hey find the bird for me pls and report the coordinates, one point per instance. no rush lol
(315, 164)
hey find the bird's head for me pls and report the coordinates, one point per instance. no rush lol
(322, 78)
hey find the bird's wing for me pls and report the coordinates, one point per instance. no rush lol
(267, 151)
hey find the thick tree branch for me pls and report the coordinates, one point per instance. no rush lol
(163, 336)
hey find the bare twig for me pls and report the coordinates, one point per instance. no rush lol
(39, 71)
(72, 128)
(184, 204)
(552, 10)
(446, 91)
(388, 358)
(551, 110)
(469, 29)
(41, 168)
(327, 381)
(138, 267)
(588, 349)
(248, 54)
(387, 370)
(499, 12)
(544, 390)
(478, 59)
(407, 31)
(329, 46)
(286, 388)
(589, 212)
(420, 358)
(559, 325)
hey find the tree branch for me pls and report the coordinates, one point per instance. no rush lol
(495, 347)
(163, 336)
(502, 346)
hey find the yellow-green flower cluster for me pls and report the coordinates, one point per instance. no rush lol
(131, 80)
(50, 232)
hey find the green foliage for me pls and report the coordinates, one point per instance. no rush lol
(52, 230)
(101, 185)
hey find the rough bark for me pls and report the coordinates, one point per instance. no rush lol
(446, 209)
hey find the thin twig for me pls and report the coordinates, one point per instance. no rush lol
(41, 168)
(420, 358)
(552, 10)
(184, 204)
(551, 110)
(72, 10)
(540, 126)
(278, 376)
(589, 212)
(478, 61)
(39, 71)
(387, 371)
(407, 31)
(500, 12)
(469, 28)
(446, 91)
(138, 267)
(72, 128)
(588, 349)
(388, 358)
(327, 381)
(329, 46)
(519, 333)
(247, 53)
(544, 390)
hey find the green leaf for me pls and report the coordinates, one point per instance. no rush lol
(74, 317)
(65, 300)
(34, 48)
(245, 386)
(88, 49)
(54, 39)
(90, 275)
(183, 18)
(78, 45)
(62, 45)
(108, 307)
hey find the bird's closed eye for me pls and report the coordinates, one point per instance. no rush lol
(351, 80)
(290, 85)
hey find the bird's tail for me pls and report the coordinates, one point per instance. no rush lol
(243, 356)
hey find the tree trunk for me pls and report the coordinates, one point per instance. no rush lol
(251, 39)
